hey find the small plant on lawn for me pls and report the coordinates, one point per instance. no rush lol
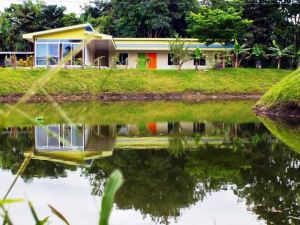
(257, 52)
(197, 57)
(179, 52)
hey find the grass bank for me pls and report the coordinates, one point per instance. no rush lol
(282, 98)
(95, 82)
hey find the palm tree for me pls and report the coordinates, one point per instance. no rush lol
(239, 50)
(197, 56)
(278, 53)
(257, 52)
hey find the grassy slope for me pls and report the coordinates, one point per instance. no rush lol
(134, 81)
(286, 90)
(131, 113)
(287, 134)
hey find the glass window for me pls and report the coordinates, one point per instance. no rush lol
(41, 137)
(53, 136)
(41, 54)
(77, 136)
(201, 62)
(123, 58)
(67, 50)
(77, 54)
(53, 54)
(171, 61)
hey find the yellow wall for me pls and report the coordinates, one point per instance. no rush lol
(68, 34)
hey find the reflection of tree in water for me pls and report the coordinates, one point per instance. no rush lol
(272, 186)
(12, 148)
(159, 183)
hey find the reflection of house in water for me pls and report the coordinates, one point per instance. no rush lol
(73, 144)
(159, 133)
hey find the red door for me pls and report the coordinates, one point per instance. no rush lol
(153, 61)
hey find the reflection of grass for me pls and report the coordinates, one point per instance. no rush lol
(136, 81)
(130, 112)
(288, 134)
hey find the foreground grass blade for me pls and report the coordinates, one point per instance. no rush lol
(59, 215)
(35, 216)
(112, 186)
(10, 201)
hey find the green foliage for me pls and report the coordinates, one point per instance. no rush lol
(239, 52)
(30, 17)
(279, 52)
(215, 25)
(112, 186)
(197, 56)
(257, 52)
(179, 51)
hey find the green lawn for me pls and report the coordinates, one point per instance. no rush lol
(287, 90)
(94, 81)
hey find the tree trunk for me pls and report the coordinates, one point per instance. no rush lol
(236, 61)
(278, 63)
(196, 64)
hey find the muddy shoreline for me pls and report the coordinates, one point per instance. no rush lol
(286, 111)
(114, 97)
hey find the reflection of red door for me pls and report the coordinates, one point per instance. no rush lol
(153, 61)
(152, 127)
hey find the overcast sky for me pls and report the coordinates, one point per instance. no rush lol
(72, 5)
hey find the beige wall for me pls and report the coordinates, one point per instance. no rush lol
(162, 60)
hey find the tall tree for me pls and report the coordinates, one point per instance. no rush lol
(211, 25)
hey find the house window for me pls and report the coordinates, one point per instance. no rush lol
(123, 58)
(201, 62)
(41, 54)
(171, 61)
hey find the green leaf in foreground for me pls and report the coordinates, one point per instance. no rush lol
(112, 186)
(10, 201)
(59, 215)
(35, 216)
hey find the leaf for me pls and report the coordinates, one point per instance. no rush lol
(34, 214)
(58, 214)
(112, 186)
(10, 201)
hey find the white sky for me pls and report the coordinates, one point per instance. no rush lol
(72, 5)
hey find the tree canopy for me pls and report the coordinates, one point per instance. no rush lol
(250, 21)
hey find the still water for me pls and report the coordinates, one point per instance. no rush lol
(183, 163)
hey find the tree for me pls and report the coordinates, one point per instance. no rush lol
(215, 25)
(179, 52)
(278, 52)
(197, 56)
(51, 16)
(28, 17)
(239, 53)
(257, 52)
(70, 19)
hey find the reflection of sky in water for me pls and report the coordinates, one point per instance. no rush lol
(71, 196)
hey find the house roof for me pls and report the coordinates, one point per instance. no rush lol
(30, 36)
(120, 43)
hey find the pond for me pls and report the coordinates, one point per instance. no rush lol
(183, 163)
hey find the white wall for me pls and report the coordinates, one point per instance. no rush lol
(162, 60)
